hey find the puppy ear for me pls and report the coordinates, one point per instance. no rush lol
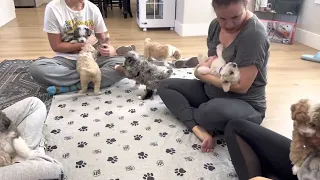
(299, 111)
(5, 122)
(88, 31)
(226, 86)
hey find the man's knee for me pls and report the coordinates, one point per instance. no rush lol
(37, 71)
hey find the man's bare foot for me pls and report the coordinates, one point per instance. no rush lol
(207, 144)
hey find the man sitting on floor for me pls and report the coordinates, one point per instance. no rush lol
(60, 20)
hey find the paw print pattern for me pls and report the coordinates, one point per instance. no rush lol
(111, 141)
(70, 122)
(62, 105)
(57, 118)
(96, 173)
(67, 138)
(108, 113)
(110, 126)
(121, 118)
(221, 142)
(96, 120)
(85, 104)
(160, 163)
(65, 155)
(158, 120)
(196, 147)
(148, 176)
(129, 100)
(209, 166)
(145, 115)
(153, 109)
(108, 102)
(148, 128)
(141, 104)
(119, 106)
(123, 131)
(215, 154)
(135, 123)
(186, 131)
(75, 99)
(142, 155)
(72, 110)
(127, 91)
(112, 159)
(84, 115)
(83, 128)
(56, 131)
(96, 108)
(126, 147)
(82, 144)
(179, 141)
(132, 111)
(170, 151)
(189, 158)
(137, 137)
(180, 171)
(232, 175)
(153, 144)
(108, 92)
(51, 148)
(96, 151)
(96, 134)
(130, 168)
(172, 126)
(81, 164)
(118, 96)
(164, 134)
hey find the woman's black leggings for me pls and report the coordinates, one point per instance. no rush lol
(258, 151)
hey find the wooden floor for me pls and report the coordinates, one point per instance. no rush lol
(289, 77)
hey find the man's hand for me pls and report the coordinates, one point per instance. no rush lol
(107, 50)
(315, 141)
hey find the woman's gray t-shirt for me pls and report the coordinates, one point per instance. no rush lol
(250, 47)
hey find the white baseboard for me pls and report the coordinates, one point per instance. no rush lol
(199, 29)
(308, 38)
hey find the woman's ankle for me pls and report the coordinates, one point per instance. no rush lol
(200, 132)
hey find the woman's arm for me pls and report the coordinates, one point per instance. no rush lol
(247, 74)
(63, 47)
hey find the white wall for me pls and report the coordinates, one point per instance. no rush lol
(7, 11)
(308, 27)
(193, 17)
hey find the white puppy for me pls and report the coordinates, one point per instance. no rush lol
(88, 69)
(229, 73)
(11, 143)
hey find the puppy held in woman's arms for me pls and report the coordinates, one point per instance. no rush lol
(12, 147)
(144, 73)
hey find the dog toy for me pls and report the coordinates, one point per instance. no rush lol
(53, 90)
(313, 58)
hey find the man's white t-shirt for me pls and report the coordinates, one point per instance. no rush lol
(59, 18)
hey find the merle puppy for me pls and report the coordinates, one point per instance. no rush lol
(144, 73)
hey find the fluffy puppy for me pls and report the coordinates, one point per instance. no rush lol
(144, 73)
(306, 123)
(12, 146)
(157, 51)
(228, 72)
(88, 69)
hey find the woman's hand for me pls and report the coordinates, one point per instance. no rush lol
(107, 50)
(206, 63)
(314, 140)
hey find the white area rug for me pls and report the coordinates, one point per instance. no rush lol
(117, 136)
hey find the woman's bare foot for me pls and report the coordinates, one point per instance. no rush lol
(207, 144)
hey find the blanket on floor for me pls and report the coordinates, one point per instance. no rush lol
(118, 136)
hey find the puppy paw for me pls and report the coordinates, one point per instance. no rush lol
(97, 93)
(73, 41)
(295, 169)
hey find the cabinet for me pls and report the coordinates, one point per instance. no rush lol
(280, 19)
(155, 14)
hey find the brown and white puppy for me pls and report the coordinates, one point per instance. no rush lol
(12, 147)
(159, 52)
(88, 69)
(306, 123)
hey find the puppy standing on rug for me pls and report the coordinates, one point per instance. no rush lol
(156, 51)
(144, 73)
(306, 123)
(228, 72)
(88, 68)
(11, 143)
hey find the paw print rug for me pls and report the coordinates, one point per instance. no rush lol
(116, 136)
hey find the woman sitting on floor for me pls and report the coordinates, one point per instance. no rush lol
(201, 104)
(29, 116)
